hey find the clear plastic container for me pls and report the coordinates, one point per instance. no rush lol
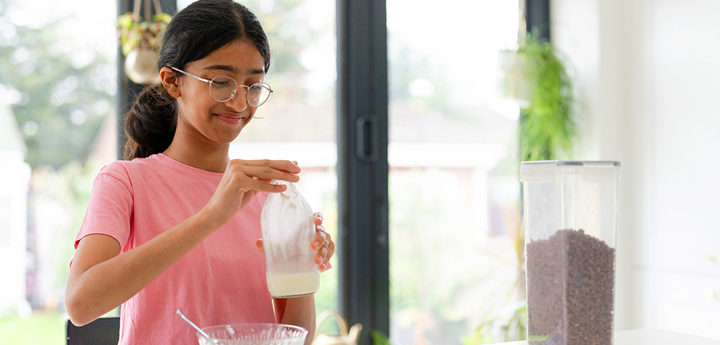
(253, 334)
(570, 216)
(288, 229)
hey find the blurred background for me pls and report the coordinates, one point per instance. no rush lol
(641, 76)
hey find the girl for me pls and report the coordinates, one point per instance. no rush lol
(177, 227)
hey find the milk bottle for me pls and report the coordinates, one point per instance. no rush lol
(288, 228)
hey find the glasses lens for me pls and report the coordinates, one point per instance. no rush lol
(222, 89)
(258, 93)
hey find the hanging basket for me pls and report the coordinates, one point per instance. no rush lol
(140, 41)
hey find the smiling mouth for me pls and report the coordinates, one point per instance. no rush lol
(230, 119)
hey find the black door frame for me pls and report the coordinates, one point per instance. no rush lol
(362, 119)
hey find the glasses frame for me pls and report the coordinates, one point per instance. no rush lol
(234, 93)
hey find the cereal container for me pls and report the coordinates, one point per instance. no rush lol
(570, 218)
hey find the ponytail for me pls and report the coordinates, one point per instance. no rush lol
(150, 123)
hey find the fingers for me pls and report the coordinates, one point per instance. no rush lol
(329, 252)
(257, 175)
(324, 245)
(246, 197)
(321, 259)
(320, 238)
(280, 165)
(265, 172)
(331, 248)
(318, 218)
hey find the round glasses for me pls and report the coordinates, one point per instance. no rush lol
(223, 89)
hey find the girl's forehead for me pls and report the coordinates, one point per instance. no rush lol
(237, 57)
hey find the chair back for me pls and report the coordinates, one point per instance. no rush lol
(103, 331)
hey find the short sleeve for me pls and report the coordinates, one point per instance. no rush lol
(110, 208)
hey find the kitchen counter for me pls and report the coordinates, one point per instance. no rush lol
(649, 337)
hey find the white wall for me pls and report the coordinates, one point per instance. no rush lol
(647, 75)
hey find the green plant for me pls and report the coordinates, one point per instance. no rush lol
(141, 34)
(379, 338)
(547, 128)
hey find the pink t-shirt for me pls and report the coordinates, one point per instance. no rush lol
(220, 281)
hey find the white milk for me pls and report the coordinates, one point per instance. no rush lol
(293, 284)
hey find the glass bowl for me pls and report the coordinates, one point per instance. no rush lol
(253, 334)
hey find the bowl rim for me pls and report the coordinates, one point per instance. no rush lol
(303, 331)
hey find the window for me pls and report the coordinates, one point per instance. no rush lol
(57, 88)
(453, 184)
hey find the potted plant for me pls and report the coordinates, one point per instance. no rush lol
(140, 42)
(537, 79)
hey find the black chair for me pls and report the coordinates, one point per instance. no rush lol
(103, 331)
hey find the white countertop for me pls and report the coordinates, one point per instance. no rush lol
(650, 337)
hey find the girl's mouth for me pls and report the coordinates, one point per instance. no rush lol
(230, 118)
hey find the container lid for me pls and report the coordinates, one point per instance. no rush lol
(538, 171)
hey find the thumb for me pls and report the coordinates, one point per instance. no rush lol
(259, 245)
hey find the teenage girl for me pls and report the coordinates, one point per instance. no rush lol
(176, 226)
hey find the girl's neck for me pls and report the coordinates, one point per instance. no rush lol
(197, 153)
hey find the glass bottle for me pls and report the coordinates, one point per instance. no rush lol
(288, 229)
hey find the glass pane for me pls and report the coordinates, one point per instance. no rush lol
(57, 128)
(455, 256)
(298, 120)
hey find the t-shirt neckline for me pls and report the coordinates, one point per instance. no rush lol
(184, 166)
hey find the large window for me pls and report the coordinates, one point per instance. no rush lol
(454, 260)
(453, 189)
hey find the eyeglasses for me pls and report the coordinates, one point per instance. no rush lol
(223, 89)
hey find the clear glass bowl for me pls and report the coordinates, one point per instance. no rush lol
(253, 334)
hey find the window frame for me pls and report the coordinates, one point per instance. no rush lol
(362, 141)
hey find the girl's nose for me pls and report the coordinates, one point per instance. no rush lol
(239, 102)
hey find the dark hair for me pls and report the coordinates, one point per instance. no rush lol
(193, 33)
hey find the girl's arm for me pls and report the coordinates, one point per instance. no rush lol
(100, 279)
(298, 311)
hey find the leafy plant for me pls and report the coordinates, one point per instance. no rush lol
(379, 338)
(141, 34)
(547, 128)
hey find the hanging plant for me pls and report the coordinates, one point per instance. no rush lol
(547, 127)
(140, 41)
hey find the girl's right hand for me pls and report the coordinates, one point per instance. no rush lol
(243, 179)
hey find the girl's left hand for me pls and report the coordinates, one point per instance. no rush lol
(323, 243)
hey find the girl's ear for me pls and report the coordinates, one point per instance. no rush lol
(170, 82)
